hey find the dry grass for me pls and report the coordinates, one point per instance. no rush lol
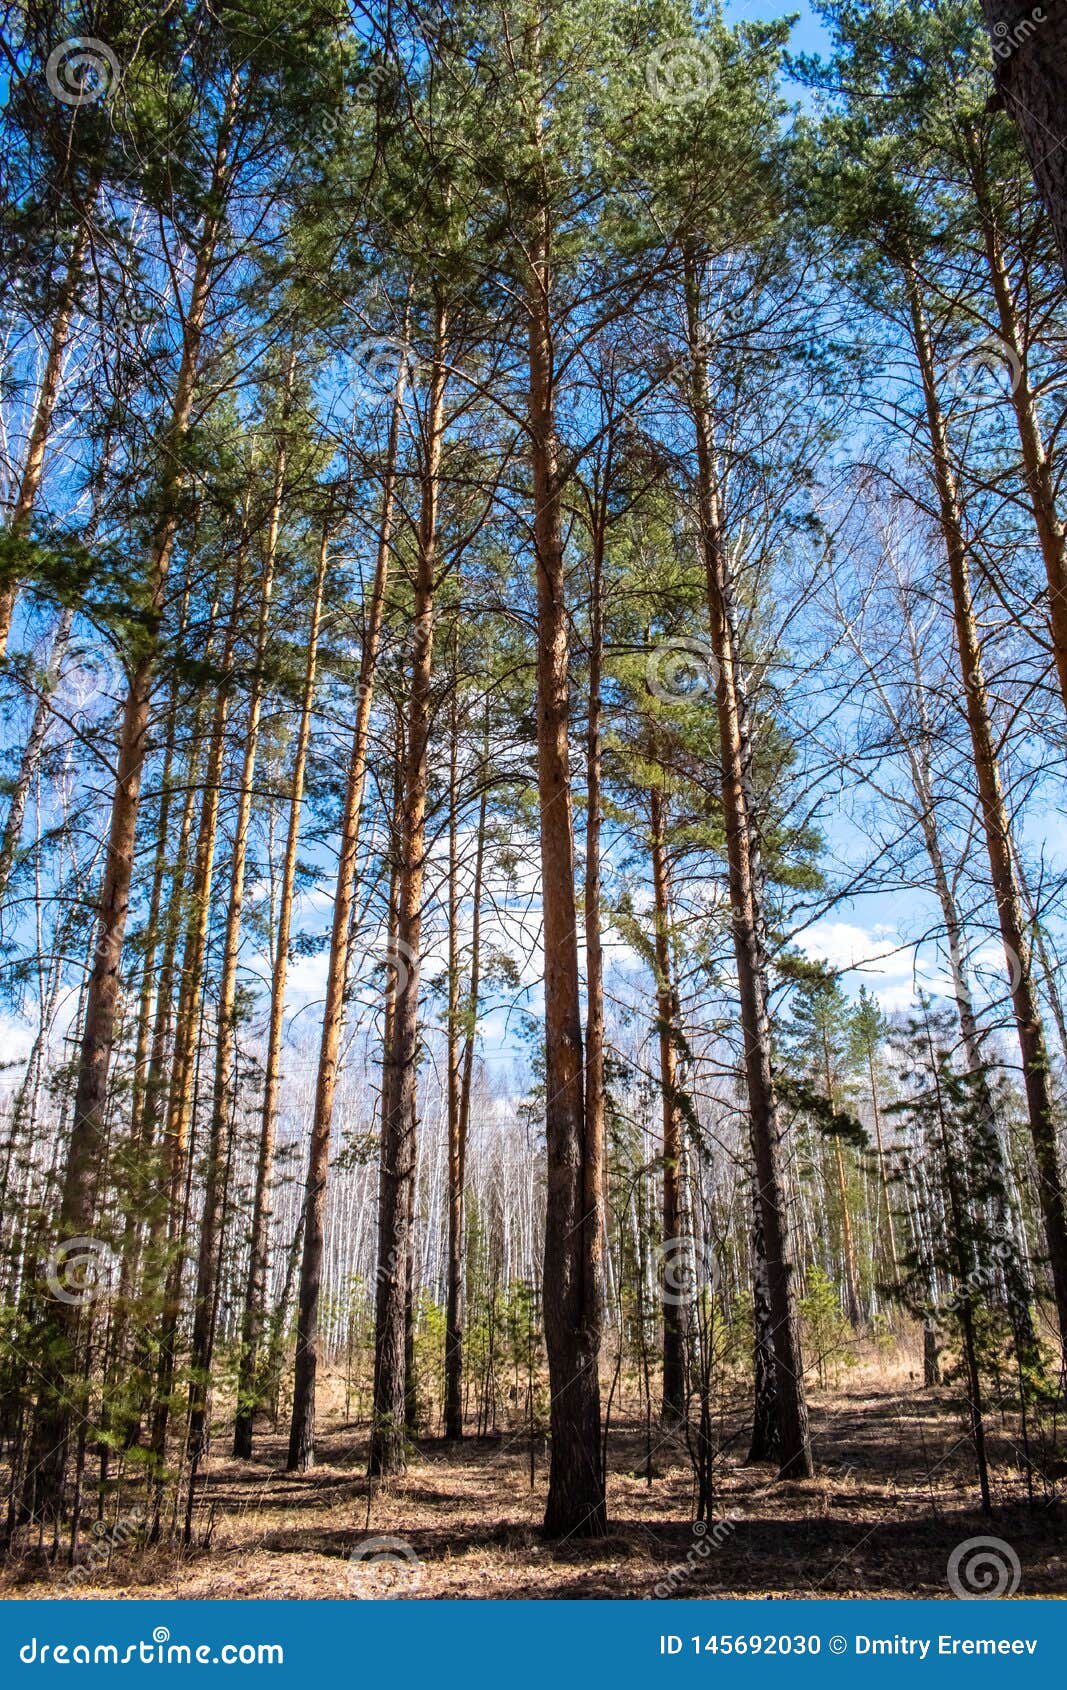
(894, 1493)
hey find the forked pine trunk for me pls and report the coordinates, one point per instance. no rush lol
(749, 938)
(249, 1391)
(1037, 1077)
(302, 1427)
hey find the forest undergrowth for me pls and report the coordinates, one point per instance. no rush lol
(894, 1494)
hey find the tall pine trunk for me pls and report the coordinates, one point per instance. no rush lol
(302, 1426)
(48, 393)
(252, 1319)
(60, 1393)
(572, 1305)
(1037, 1077)
(399, 1097)
(677, 1250)
(748, 922)
(204, 1297)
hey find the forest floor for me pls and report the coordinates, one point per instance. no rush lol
(894, 1494)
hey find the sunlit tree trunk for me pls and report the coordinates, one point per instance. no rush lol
(44, 409)
(397, 1168)
(204, 1298)
(576, 1501)
(256, 1288)
(302, 1428)
(749, 939)
(677, 1249)
(1037, 1078)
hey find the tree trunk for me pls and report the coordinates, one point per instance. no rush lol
(87, 1139)
(595, 1099)
(457, 1164)
(764, 1444)
(302, 1428)
(848, 1247)
(1037, 1077)
(576, 1501)
(1037, 470)
(187, 1022)
(676, 1280)
(204, 1296)
(883, 1177)
(31, 755)
(749, 938)
(248, 1387)
(40, 427)
(399, 1097)
(1030, 71)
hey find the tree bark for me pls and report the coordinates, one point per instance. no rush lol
(388, 1444)
(1037, 1078)
(1030, 72)
(87, 1139)
(302, 1427)
(248, 1388)
(748, 922)
(44, 409)
(576, 1501)
(676, 1248)
(1037, 469)
(204, 1299)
